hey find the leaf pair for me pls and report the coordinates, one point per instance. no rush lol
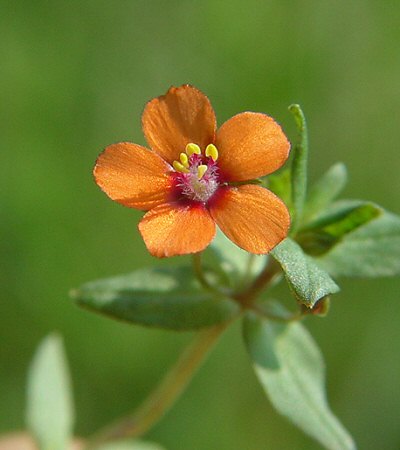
(286, 359)
(328, 239)
(350, 238)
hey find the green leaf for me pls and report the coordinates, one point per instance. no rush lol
(160, 297)
(372, 250)
(307, 280)
(299, 166)
(341, 210)
(234, 261)
(130, 445)
(280, 184)
(291, 370)
(328, 229)
(50, 406)
(322, 193)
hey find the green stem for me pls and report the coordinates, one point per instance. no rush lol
(165, 395)
(176, 380)
(271, 270)
(198, 270)
(200, 275)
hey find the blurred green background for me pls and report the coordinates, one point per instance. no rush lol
(74, 78)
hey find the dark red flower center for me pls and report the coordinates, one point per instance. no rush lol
(197, 175)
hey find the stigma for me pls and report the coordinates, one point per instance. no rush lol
(197, 173)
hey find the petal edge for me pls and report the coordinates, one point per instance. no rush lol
(133, 175)
(251, 145)
(174, 229)
(252, 217)
(181, 116)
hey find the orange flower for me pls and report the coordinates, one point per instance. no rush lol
(188, 181)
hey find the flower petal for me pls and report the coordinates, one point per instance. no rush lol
(250, 145)
(181, 116)
(252, 217)
(133, 176)
(173, 229)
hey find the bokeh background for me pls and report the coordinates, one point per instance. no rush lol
(74, 78)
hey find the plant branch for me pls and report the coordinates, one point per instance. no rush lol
(266, 276)
(165, 395)
(200, 275)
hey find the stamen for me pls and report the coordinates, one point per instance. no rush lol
(201, 170)
(184, 160)
(192, 148)
(179, 167)
(196, 173)
(211, 151)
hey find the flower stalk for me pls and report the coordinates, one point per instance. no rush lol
(247, 297)
(165, 395)
(176, 380)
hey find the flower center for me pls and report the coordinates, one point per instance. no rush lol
(197, 174)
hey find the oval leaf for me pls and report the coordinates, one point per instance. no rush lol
(50, 405)
(290, 368)
(160, 297)
(330, 228)
(372, 250)
(307, 280)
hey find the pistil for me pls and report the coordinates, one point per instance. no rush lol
(197, 174)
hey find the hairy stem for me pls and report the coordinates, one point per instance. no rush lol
(164, 396)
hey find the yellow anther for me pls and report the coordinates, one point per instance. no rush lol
(184, 160)
(201, 170)
(179, 167)
(211, 150)
(193, 148)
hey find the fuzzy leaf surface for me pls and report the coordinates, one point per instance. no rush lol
(299, 166)
(290, 368)
(168, 298)
(308, 282)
